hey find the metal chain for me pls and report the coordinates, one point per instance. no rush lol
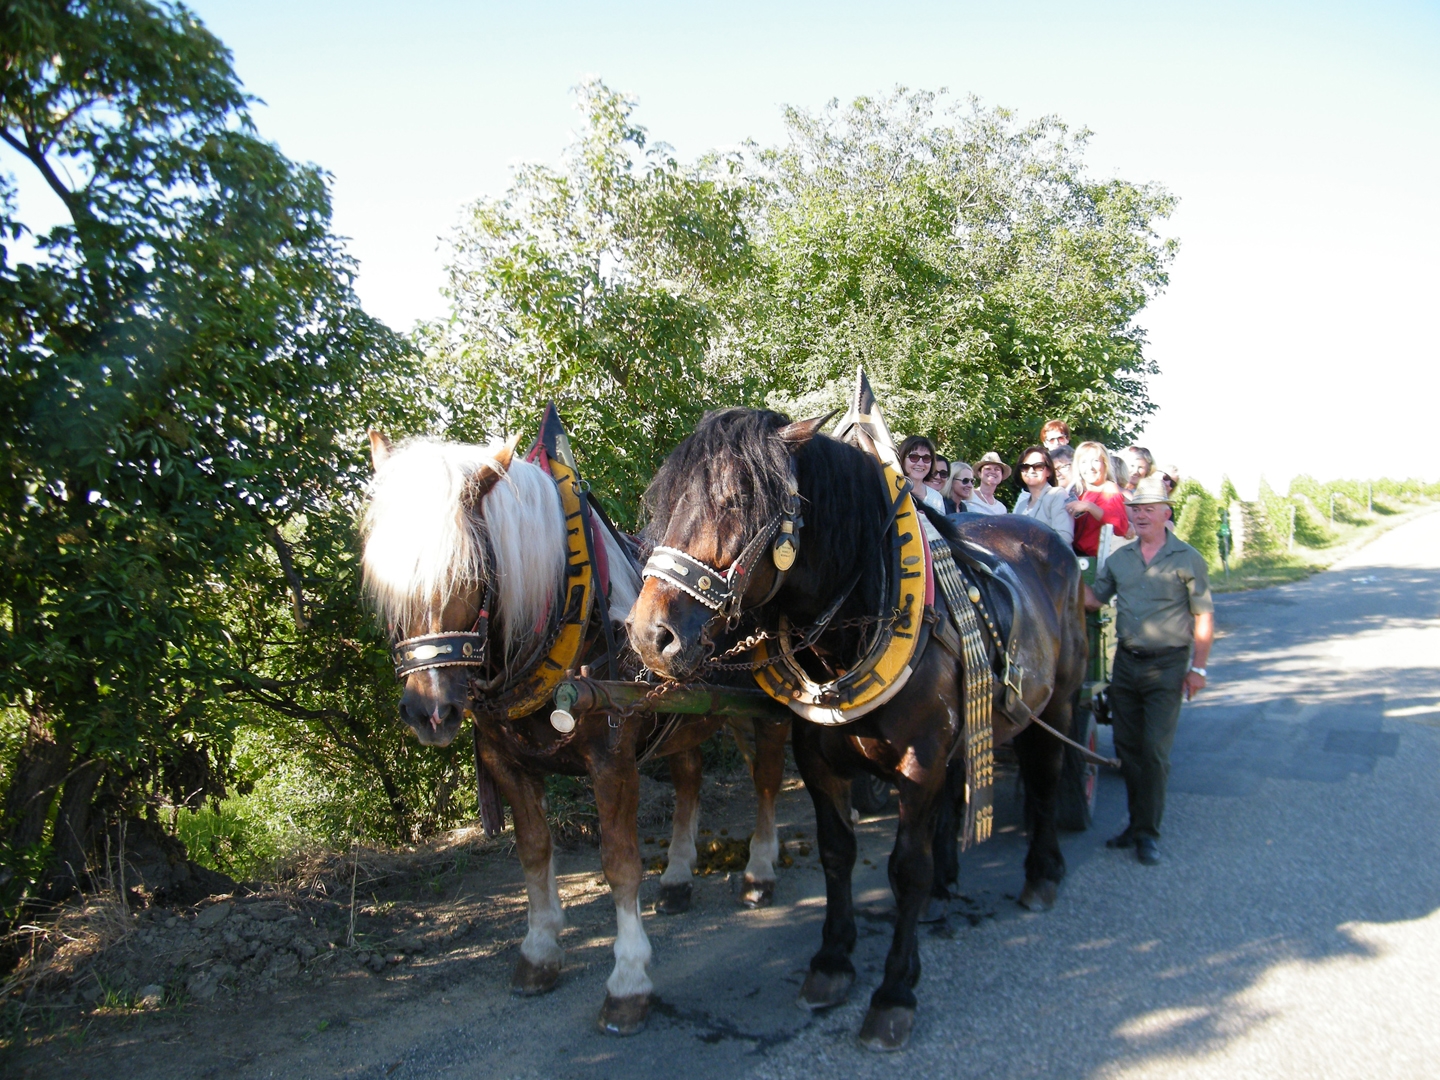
(853, 623)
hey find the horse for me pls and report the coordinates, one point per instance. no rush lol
(714, 506)
(471, 543)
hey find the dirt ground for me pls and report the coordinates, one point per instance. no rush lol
(240, 980)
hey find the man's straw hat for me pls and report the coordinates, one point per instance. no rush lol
(1150, 489)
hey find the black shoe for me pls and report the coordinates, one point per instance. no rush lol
(1147, 850)
(1125, 839)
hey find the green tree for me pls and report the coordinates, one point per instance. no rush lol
(606, 287)
(182, 368)
(967, 261)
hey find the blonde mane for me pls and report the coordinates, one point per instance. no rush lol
(423, 544)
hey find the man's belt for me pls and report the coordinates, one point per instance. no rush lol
(1153, 654)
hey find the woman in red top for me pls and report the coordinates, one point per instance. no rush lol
(1101, 503)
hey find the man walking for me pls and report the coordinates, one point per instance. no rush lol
(1162, 593)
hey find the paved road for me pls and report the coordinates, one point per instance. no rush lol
(1292, 930)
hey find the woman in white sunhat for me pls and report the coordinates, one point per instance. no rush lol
(991, 472)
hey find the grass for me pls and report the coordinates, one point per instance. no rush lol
(1264, 569)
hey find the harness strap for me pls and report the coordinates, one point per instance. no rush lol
(979, 683)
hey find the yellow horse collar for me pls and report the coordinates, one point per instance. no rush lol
(577, 601)
(886, 668)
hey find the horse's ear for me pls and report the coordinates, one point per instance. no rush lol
(486, 478)
(507, 453)
(800, 432)
(379, 448)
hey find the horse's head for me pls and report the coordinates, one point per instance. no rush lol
(450, 530)
(722, 509)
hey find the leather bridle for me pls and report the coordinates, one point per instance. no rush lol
(454, 648)
(723, 591)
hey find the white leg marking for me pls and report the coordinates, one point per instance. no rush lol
(547, 918)
(632, 954)
(683, 832)
(764, 845)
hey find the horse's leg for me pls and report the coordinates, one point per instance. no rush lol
(831, 972)
(945, 848)
(891, 1015)
(675, 887)
(538, 968)
(1042, 757)
(767, 770)
(617, 797)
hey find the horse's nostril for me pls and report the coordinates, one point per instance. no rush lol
(665, 642)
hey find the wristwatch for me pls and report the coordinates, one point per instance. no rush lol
(1199, 671)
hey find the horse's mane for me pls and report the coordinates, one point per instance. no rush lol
(424, 543)
(738, 445)
(844, 503)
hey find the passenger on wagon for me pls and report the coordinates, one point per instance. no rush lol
(962, 486)
(1140, 462)
(1064, 460)
(1101, 503)
(1041, 499)
(940, 481)
(917, 458)
(1055, 433)
(991, 471)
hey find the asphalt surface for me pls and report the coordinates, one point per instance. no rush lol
(1292, 929)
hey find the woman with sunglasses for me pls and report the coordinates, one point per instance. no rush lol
(940, 481)
(917, 458)
(1041, 499)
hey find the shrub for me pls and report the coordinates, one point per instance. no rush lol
(1197, 519)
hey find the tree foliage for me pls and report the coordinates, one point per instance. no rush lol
(182, 365)
(966, 260)
(606, 287)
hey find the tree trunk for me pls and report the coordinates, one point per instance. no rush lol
(40, 769)
(75, 833)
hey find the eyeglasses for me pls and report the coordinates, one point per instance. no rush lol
(965, 481)
(942, 475)
(1033, 466)
(926, 458)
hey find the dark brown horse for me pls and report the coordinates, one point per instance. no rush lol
(471, 543)
(729, 483)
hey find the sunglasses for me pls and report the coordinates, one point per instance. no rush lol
(1033, 466)
(942, 475)
(919, 457)
(965, 481)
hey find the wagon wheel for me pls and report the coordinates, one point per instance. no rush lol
(869, 794)
(1079, 779)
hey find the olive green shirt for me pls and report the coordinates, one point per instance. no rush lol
(1156, 604)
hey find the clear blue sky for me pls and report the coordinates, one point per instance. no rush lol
(1303, 139)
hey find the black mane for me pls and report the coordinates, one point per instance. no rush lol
(843, 501)
(736, 444)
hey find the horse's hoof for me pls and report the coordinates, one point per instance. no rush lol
(623, 1015)
(758, 894)
(887, 1029)
(825, 989)
(1038, 895)
(936, 910)
(528, 980)
(673, 899)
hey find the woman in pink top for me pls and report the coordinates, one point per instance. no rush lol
(1101, 503)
